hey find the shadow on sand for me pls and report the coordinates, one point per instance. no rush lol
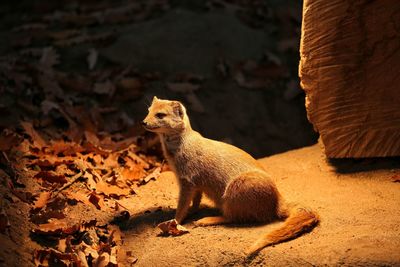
(344, 166)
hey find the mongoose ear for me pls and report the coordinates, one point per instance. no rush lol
(178, 109)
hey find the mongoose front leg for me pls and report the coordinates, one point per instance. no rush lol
(186, 195)
(196, 201)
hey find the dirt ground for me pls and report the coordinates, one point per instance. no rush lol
(74, 67)
(357, 202)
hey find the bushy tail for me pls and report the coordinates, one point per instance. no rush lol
(299, 221)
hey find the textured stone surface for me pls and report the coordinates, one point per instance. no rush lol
(350, 70)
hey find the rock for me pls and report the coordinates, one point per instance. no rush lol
(349, 69)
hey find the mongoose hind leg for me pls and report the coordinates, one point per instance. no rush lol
(207, 221)
(252, 197)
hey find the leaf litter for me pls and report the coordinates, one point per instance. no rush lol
(67, 150)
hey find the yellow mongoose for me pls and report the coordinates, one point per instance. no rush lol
(230, 177)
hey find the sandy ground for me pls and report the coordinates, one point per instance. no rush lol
(358, 202)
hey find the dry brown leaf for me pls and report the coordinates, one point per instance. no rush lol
(396, 178)
(9, 140)
(88, 251)
(62, 245)
(52, 257)
(133, 174)
(172, 227)
(51, 177)
(102, 261)
(42, 200)
(60, 227)
(78, 196)
(26, 197)
(45, 216)
(65, 148)
(152, 176)
(92, 138)
(54, 227)
(96, 200)
(37, 140)
(64, 169)
(116, 234)
(111, 190)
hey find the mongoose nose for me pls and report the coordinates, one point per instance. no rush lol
(144, 123)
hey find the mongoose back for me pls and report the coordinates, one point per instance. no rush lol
(230, 177)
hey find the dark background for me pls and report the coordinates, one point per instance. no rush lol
(234, 64)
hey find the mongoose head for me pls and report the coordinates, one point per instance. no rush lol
(166, 116)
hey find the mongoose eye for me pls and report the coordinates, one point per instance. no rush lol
(160, 115)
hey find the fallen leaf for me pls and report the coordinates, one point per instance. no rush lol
(103, 260)
(36, 138)
(96, 200)
(9, 140)
(42, 200)
(152, 176)
(60, 227)
(52, 257)
(132, 174)
(116, 235)
(45, 216)
(111, 190)
(77, 196)
(62, 245)
(51, 177)
(92, 138)
(60, 147)
(54, 227)
(396, 178)
(26, 197)
(172, 227)
(87, 252)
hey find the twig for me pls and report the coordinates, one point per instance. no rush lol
(73, 180)
(121, 205)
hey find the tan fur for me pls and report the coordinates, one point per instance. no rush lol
(233, 179)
